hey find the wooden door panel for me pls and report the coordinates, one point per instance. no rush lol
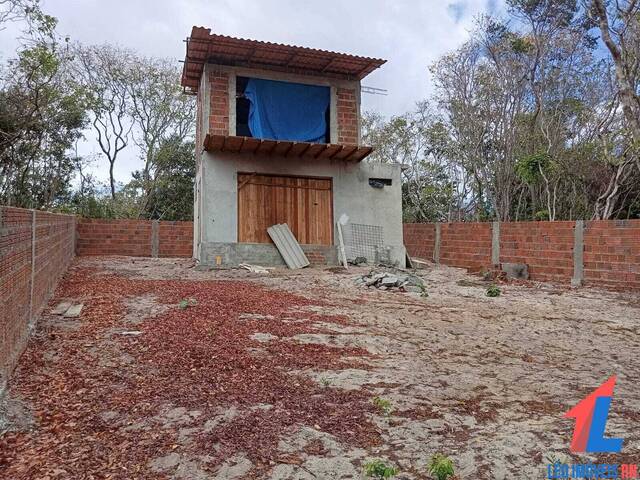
(305, 204)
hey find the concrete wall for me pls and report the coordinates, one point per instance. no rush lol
(215, 196)
(352, 194)
(264, 254)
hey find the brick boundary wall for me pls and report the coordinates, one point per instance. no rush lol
(465, 245)
(153, 238)
(612, 253)
(597, 253)
(136, 238)
(35, 250)
(546, 247)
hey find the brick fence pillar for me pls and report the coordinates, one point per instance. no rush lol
(436, 243)
(155, 238)
(578, 254)
(495, 243)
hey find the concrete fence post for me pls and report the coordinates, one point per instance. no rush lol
(155, 238)
(33, 264)
(495, 243)
(436, 244)
(75, 235)
(578, 254)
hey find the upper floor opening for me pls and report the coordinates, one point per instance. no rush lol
(269, 98)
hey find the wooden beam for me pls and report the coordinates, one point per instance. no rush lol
(250, 145)
(246, 180)
(345, 152)
(282, 148)
(233, 144)
(315, 150)
(331, 151)
(359, 154)
(298, 149)
(266, 147)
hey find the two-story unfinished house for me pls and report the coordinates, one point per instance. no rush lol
(278, 141)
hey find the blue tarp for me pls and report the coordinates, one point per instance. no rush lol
(287, 111)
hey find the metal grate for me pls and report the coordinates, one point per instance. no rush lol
(366, 241)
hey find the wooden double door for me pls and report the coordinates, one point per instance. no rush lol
(304, 203)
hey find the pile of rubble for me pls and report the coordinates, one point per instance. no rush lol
(405, 282)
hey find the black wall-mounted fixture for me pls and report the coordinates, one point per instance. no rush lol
(380, 182)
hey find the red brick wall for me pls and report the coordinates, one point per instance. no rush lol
(133, 238)
(176, 239)
(219, 98)
(320, 254)
(347, 116)
(612, 253)
(611, 249)
(54, 249)
(466, 245)
(114, 237)
(419, 238)
(546, 247)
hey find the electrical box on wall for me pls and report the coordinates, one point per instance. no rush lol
(379, 182)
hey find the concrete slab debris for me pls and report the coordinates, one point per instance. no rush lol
(392, 281)
(61, 308)
(421, 263)
(73, 311)
(254, 268)
(389, 281)
(516, 271)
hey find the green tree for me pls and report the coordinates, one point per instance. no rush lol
(171, 196)
(42, 114)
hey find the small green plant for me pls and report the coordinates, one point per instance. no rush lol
(325, 382)
(383, 405)
(187, 302)
(378, 469)
(440, 467)
(423, 293)
(493, 291)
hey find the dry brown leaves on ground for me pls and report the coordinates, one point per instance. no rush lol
(100, 399)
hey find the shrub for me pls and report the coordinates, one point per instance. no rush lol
(383, 405)
(440, 467)
(379, 469)
(493, 291)
(187, 302)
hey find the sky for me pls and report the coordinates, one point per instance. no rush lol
(410, 35)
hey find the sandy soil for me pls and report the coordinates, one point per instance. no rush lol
(483, 380)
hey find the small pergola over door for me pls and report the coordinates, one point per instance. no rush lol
(304, 203)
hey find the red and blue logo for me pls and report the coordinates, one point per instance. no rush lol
(589, 437)
(591, 420)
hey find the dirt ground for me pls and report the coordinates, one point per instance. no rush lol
(176, 373)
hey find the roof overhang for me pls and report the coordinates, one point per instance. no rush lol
(250, 145)
(203, 47)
